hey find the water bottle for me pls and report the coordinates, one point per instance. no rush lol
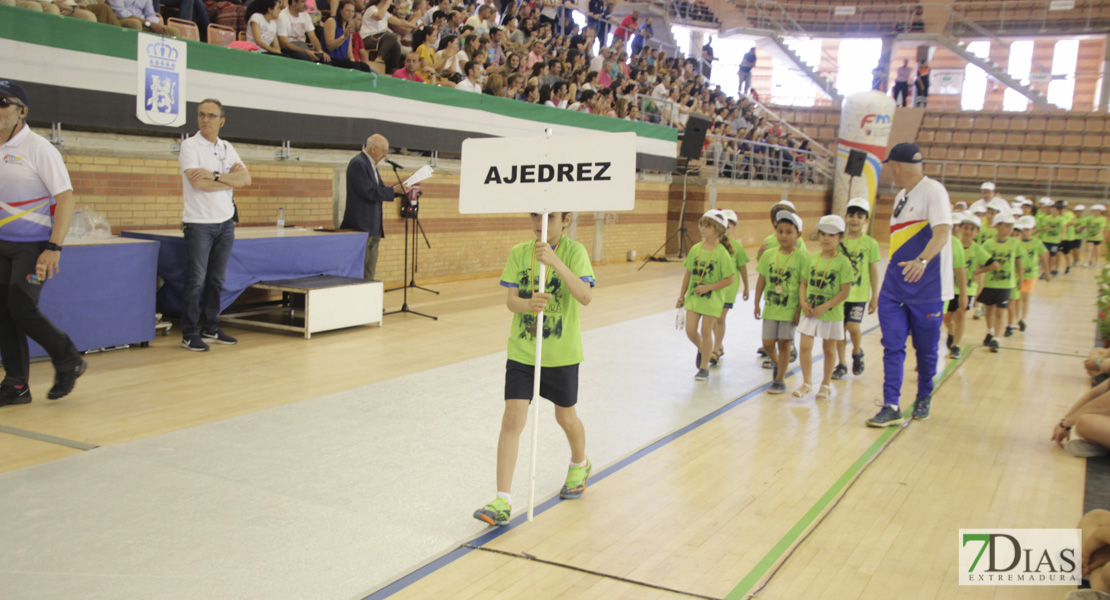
(281, 219)
(79, 223)
(680, 319)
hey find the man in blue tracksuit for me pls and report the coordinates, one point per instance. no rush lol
(918, 282)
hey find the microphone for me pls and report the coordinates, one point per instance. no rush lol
(392, 164)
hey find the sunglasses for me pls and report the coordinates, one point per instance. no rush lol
(6, 102)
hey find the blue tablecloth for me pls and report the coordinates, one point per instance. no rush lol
(103, 296)
(258, 259)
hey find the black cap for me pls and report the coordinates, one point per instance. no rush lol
(905, 152)
(13, 90)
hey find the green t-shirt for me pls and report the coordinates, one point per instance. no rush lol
(739, 258)
(1069, 226)
(1095, 227)
(707, 267)
(1039, 218)
(986, 232)
(975, 256)
(1031, 258)
(959, 261)
(562, 332)
(1006, 254)
(1052, 229)
(772, 242)
(781, 270)
(862, 252)
(824, 277)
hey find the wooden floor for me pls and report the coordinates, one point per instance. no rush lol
(791, 498)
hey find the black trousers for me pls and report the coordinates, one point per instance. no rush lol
(20, 317)
(903, 88)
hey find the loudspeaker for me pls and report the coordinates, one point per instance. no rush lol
(694, 138)
(856, 159)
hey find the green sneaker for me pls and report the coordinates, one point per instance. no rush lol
(576, 481)
(495, 513)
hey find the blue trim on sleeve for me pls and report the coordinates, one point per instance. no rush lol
(509, 285)
(588, 279)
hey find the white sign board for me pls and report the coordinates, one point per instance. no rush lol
(1061, 5)
(946, 82)
(542, 174)
(844, 11)
(160, 93)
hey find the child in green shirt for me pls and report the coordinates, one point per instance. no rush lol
(770, 243)
(741, 260)
(710, 269)
(956, 308)
(570, 279)
(863, 251)
(1000, 273)
(826, 283)
(1033, 257)
(1096, 226)
(780, 274)
(1052, 234)
(974, 257)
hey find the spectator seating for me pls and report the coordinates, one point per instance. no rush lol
(188, 29)
(221, 35)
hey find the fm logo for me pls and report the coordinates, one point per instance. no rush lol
(876, 119)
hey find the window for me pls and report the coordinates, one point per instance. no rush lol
(974, 95)
(789, 86)
(1021, 62)
(856, 60)
(1064, 57)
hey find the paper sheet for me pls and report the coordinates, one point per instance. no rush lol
(420, 175)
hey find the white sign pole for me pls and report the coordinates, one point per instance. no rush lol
(536, 385)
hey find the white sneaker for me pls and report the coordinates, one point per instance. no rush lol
(1084, 449)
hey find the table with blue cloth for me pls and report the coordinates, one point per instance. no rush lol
(258, 254)
(103, 296)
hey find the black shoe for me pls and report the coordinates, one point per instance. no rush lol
(10, 394)
(994, 346)
(65, 379)
(839, 371)
(857, 363)
(921, 408)
(954, 352)
(948, 342)
(697, 362)
(987, 340)
(217, 336)
(1021, 325)
(1067, 270)
(761, 352)
(793, 354)
(1055, 273)
(194, 343)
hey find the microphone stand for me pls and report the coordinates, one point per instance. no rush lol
(415, 248)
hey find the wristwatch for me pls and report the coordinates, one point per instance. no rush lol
(216, 174)
(53, 246)
(924, 262)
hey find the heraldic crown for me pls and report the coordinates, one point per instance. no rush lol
(162, 55)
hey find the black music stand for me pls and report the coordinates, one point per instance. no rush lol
(410, 211)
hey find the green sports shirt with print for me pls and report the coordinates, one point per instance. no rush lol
(781, 270)
(986, 232)
(707, 267)
(1052, 229)
(772, 242)
(1095, 228)
(862, 252)
(975, 256)
(1005, 254)
(959, 261)
(824, 277)
(740, 259)
(1031, 258)
(1069, 226)
(562, 331)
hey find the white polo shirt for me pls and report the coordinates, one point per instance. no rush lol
(202, 206)
(31, 174)
(915, 214)
(466, 86)
(294, 28)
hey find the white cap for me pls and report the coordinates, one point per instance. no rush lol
(785, 215)
(988, 185)
(730, 215)
(1046, 201)
(961, 204)
(979, 202)
(998, 204)
(717, 216)
(974, 220)
(1080, 207)
(1099, 207)
(979, 210)
(957, 217)
(786, 203)
(1020, 199)
(831, 224)
(1003, 217)
(1026, 222)
(860, 203)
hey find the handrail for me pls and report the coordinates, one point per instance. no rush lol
(755, 165)
(1040, 9)
(1039, 185)
(955, 15)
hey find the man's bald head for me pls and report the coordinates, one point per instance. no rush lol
(377, 147)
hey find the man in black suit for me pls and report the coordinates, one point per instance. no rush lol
(365, 194)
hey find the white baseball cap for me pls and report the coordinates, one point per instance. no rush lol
(1020, 199)
(730, 215)
(974, 220)
(987, 185)
(1080, 207)
(998, 204)
(978, 203)
(979, 210)
(786, 203)
(785, 215)
(1046, 201)
(1026, 222)
(957, 217)
(860, 203)
(961, 205)
(1003, 217)
(831, 224)
(1098, 207)
(717, 216)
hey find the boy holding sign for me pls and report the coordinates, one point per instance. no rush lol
(570, 279)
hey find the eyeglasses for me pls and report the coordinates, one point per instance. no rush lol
(6, 102)
(202, 116)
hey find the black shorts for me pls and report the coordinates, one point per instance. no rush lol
(995, 297)
(954, 303)
(1094, 242)
(557, 384)
(1052, 248)
(728, 305)
(1068, 245)
(854, 311)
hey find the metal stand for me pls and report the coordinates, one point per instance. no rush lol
(683, 239)
(416, 227)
